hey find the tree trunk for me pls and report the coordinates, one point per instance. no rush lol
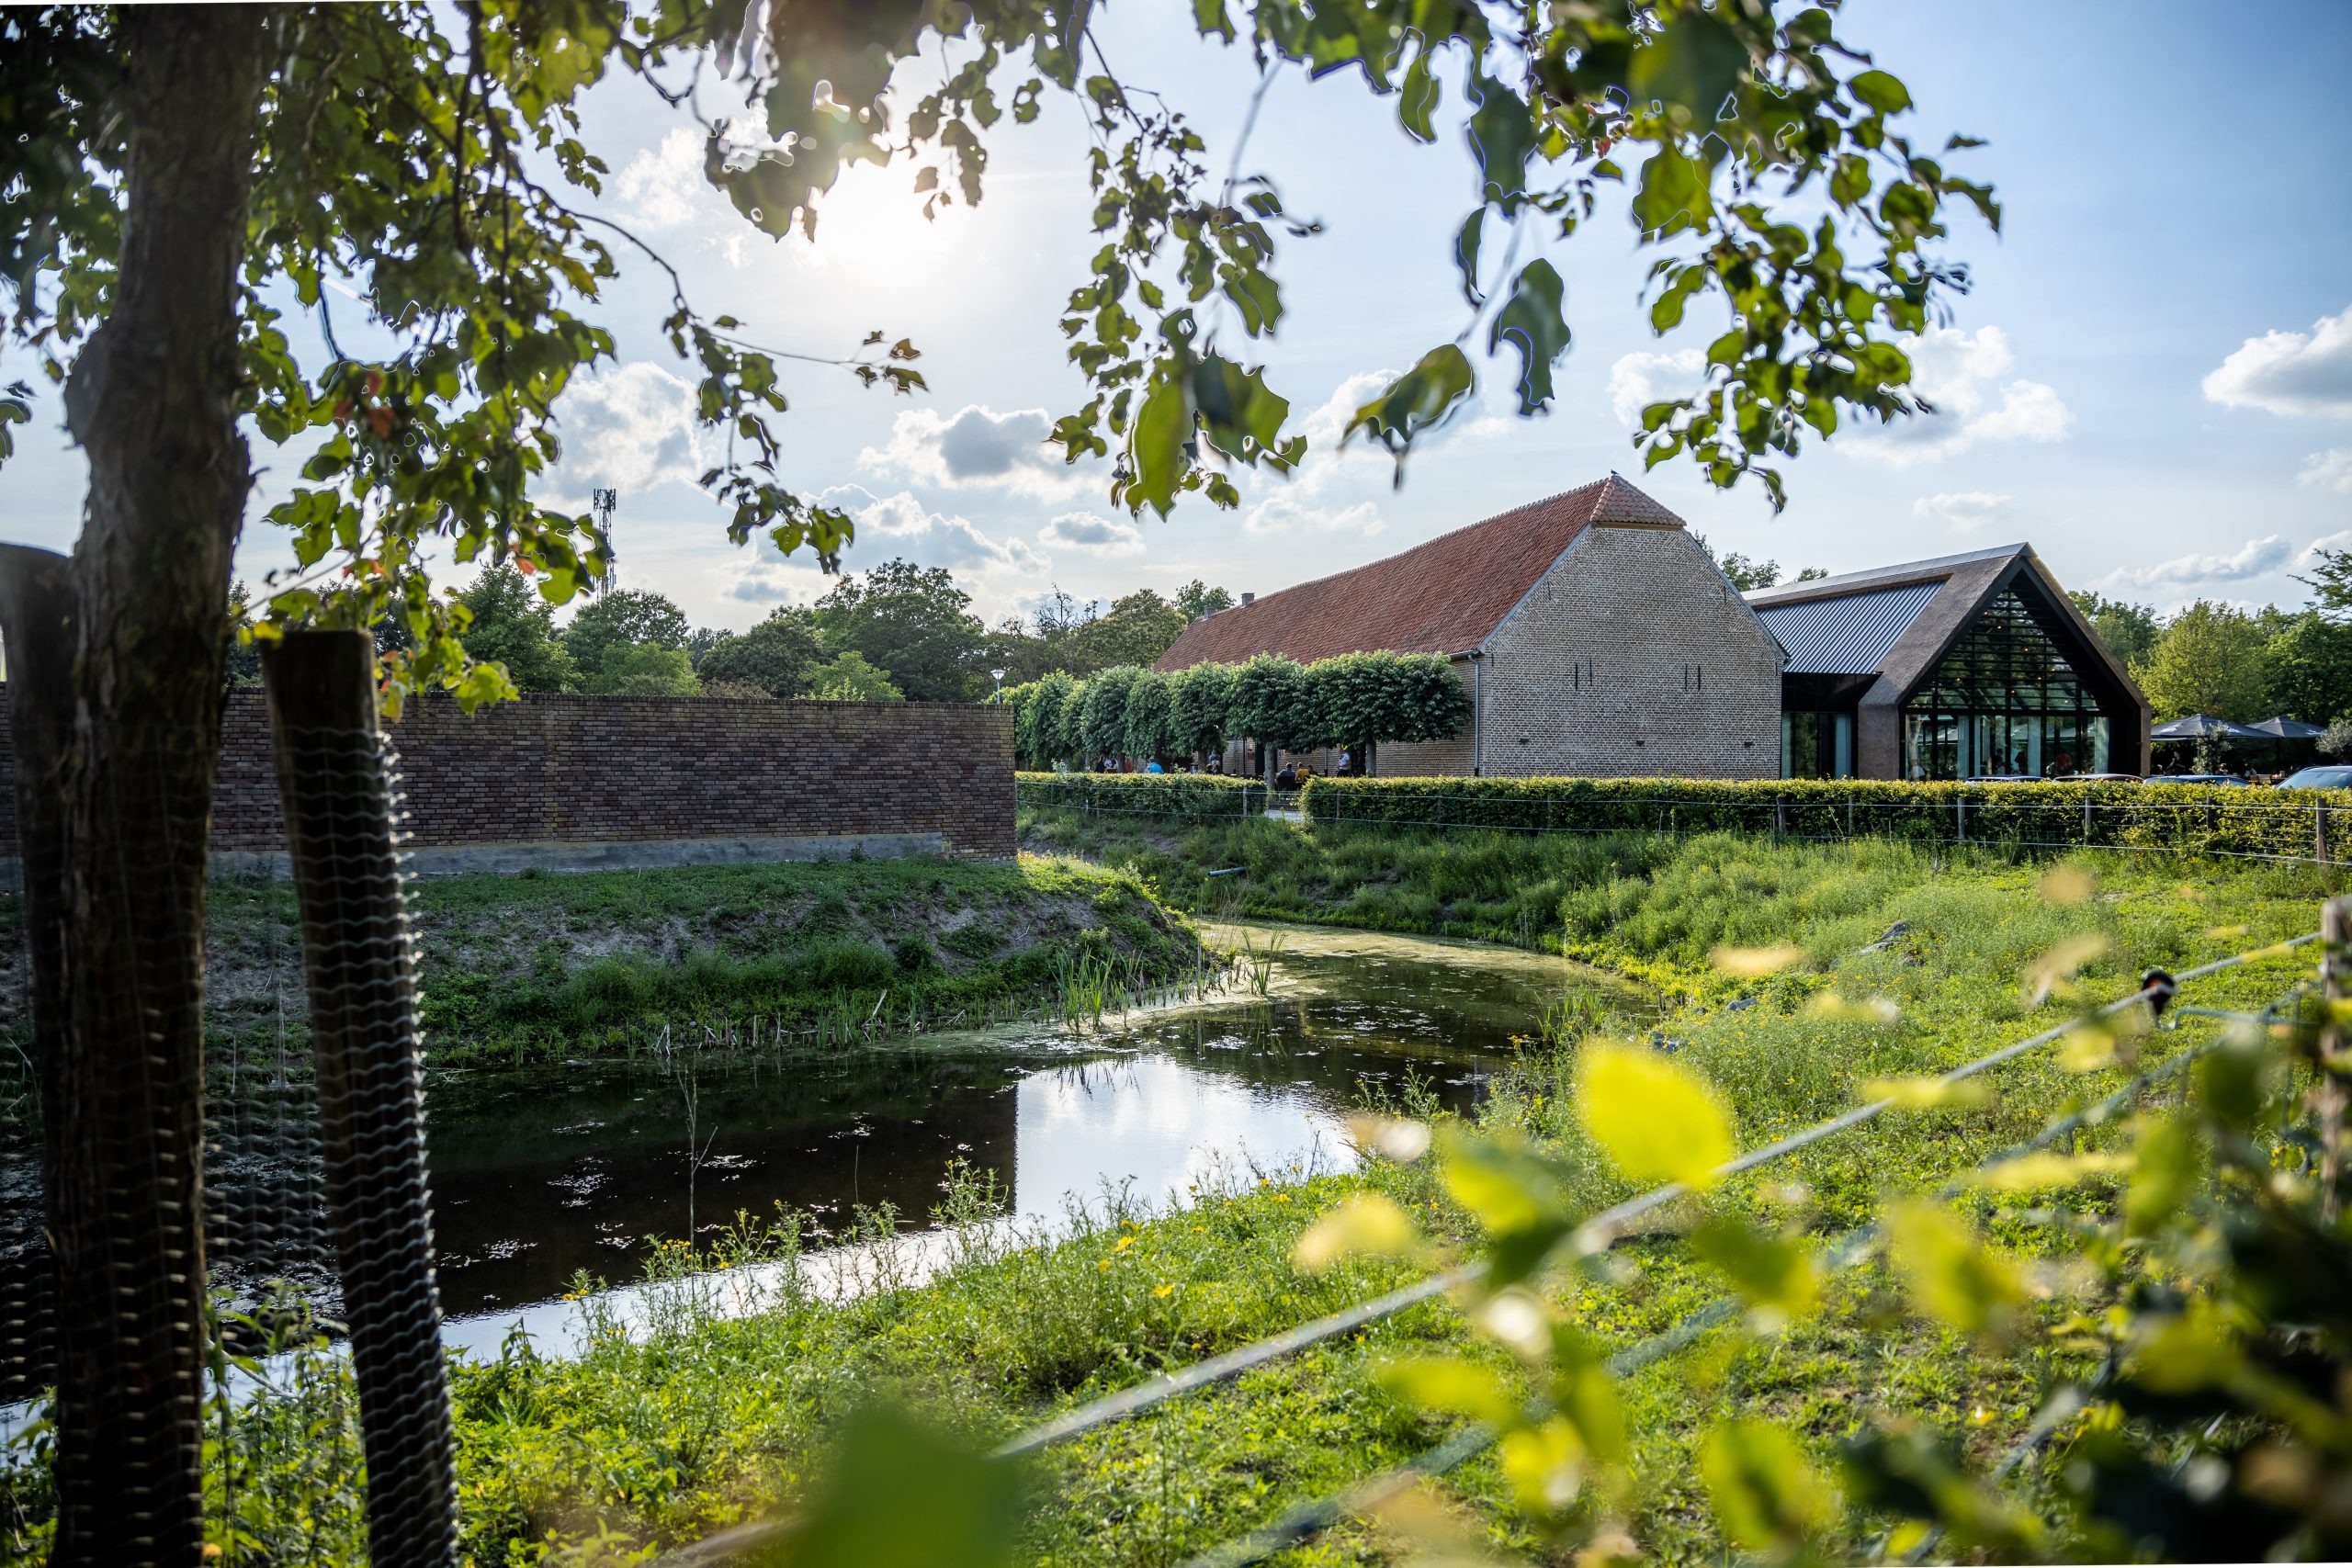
(152, 401)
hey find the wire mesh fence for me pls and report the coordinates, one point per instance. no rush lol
(314, 1223)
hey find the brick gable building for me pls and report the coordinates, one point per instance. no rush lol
(1595, 636)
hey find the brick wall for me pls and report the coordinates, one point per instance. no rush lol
(1632, 656)
(588, 770)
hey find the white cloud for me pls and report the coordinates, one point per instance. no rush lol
(2333, 542)
(1282, 514)
(1959, 373)
(657, 189)
(2330, 469)
(978, 447)
(1095, 535)
(2255, 557)
(900, 525)
(1329, 421)
(2291, 372)
(629, 428)
(664, 190)
(1963, 510)
(1638, 380)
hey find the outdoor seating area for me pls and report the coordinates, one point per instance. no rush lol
(2202, 749)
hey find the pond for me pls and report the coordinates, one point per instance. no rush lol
(536, 1180)
(540, 1174)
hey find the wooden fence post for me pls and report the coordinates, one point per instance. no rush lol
(2336, 985)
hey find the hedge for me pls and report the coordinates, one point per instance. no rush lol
(1193, 796)
(2182, 818)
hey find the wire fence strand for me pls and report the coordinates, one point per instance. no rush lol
(1307, 1520)
(1602, 1230)
(1597, 1233)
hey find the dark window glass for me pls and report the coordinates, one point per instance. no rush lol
(2005, 700)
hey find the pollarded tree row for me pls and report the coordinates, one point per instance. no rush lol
(1356, 700)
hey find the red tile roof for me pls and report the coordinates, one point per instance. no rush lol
(1447, 596)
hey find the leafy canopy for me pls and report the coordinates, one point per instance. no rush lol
(619, 617)
(775, 656)
(420, 174)
(2209, 661)
(506, 623)
(848, 678)
(914, 624)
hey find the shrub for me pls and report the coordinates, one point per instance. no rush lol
(2025, 815)
(1189, 795)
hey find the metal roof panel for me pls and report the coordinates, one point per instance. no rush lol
(1848, 634)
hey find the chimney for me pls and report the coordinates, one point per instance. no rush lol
(1249, 598)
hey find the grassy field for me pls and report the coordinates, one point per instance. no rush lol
(648, 1443)
(531, 966)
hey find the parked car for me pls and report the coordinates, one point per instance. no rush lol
(2097, 778)
(2226, 780)
(2334, 776)
(2002, 778)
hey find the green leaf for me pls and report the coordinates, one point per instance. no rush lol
(1948, 1275)
(1774, 1272)
(1367, 1226)
(1673, 192)
(1418, 99)
(1502, 137)
(1514, 1193)
(899, 1495)
(1767, 1496)
(1696, 61)
(1533, 322)
(1880, 92)
(1416, 402)
(1156, 448)
(1654, 1119)
(1239, 414)
(1449, 1385)
(2186, 1351)
(1466, 255)
(2168, 1164)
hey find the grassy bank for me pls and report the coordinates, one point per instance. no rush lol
(527, 966)
(639, 1444)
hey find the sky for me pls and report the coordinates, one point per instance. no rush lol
(2151, 380)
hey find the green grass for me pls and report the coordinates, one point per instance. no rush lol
(534, 968)
(652, 1443)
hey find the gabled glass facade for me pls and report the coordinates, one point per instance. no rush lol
(2003, 701)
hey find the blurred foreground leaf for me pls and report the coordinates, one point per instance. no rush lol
(900, 1496)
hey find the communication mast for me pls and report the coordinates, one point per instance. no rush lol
(603, 504)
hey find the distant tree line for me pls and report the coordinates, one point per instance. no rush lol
(900, 630)
(2216, 658)
(1356, 700)
(1749, 574)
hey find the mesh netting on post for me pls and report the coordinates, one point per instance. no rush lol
(112, 818)
(335, 782)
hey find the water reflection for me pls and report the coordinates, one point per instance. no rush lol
(542, 1174)
(535, 1181)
